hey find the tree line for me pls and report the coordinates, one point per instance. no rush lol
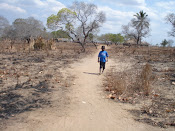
(81, 22)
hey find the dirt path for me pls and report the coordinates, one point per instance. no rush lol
(89, 110)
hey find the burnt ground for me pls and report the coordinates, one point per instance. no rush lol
(28, 80)
(157, 107)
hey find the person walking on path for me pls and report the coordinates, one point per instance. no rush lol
(102, 58)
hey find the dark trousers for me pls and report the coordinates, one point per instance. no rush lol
(102, 65)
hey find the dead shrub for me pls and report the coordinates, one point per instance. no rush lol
(116, 82)
(39, 44)
(143, 80)
(125, 84)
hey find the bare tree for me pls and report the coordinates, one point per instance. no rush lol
(24, 29)
(80, 20)
(9, 32)
(3, 24)
(170, 18)
(138, 27)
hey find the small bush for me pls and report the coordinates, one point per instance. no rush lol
(143, 80)
(116, 83)
(39, 44)
(126, 84)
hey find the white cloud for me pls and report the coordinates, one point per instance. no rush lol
(39, 3)
(48, 3)
(55, 5)
(115, 19)
(9, 1)
(5, 6)
(40, 9)
(166, 5)
(116, 14)
(126, 2)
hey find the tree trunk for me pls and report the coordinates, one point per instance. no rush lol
(140, 41)
(94, 44)
(82, 45)
(137, 40)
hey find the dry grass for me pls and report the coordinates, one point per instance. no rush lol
(115, 83)
(11, 46)
(126, 85)
(149, 82)
(28, 78)
(143, 80)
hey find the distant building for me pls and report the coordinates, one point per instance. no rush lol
(133, 42)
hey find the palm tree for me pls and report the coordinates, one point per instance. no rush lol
(141, 23)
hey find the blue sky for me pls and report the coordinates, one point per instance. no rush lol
(118, 12)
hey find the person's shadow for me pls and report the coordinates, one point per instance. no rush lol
(91, 73)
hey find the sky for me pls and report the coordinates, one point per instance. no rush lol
(118, 13)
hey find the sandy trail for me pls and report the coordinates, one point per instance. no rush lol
(89, 110)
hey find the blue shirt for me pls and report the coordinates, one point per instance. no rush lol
(103, 55)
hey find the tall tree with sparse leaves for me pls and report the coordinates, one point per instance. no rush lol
(79, 21)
